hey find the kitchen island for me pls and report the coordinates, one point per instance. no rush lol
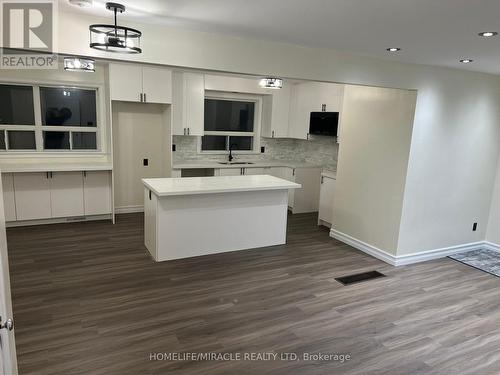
(192, 216)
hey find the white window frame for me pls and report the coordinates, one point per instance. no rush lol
(38, 128)
(257, 121)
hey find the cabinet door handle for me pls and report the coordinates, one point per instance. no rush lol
(140, 97)
(323, 107)
(307, 136)
(184, 131)
(150, 195)
(188, 131)
(322, 177)
(293, 172)
(273, 134)
(144, 97)
(47, 174)
(85, 174)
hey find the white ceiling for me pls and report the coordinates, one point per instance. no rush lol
(434, 32)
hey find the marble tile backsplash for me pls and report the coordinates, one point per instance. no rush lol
(318, 150)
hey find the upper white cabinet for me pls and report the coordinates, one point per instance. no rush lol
(188, 103)
(276, 111)
(157, 85)
(326, 194)
(32, 191)
(136, 83)
(9, 202)
(66, 194)
(312, 97)
(97, 192)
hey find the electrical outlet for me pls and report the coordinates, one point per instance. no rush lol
(173, 147)
(262, 149)
(145, 162)
(474, 227)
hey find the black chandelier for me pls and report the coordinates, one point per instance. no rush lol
(115, 38)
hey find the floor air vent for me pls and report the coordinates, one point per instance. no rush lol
(359, 277)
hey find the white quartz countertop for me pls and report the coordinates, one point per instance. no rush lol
(209, 185)
(54, 167)
(195, 164)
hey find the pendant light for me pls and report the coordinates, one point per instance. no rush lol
(77, 64)
(115, 38)
(271, 83)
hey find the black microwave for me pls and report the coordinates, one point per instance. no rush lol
(324, 123)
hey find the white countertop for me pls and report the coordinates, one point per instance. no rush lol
(209, 185)
(195, 164)
(54, 167)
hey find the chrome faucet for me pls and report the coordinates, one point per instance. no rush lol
(231, 157)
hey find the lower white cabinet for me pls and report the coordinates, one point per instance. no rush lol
(66, 194)
(50, 195)
(256, 171)
(9, 199)
(32, 192)
(327, 191)
(229, 171)
(97, 192)
(243, 171)
(305, 199)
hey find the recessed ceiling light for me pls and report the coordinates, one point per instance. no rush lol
(393, 49)
(466, 61)
(488, 34)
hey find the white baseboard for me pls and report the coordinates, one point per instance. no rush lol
(25, 223)
(423, 256)
(400, 260)
(491, 246)
(364, 247)
(129, 209)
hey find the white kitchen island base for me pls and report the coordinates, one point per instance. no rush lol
(186, 217)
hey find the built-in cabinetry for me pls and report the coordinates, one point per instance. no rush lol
(242, 171)
(312, 97)
(327, 191)
(276, 112)
(306, 198)
(136, 83)
(52, 195)
(188, 103)
(9, 198)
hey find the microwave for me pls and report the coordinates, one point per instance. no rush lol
(324, 123)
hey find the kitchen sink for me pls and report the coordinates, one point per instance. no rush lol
(234, 162)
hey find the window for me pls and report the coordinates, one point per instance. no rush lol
(68, 107)
(16, 105)
(66, 118)
(65, 112)
(231, 121)
(17, 118)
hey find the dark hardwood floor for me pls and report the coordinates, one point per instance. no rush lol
(89, 300)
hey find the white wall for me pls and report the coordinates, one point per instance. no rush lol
(493, 230)
(452, 164)
(455, 134)
(371, 179)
